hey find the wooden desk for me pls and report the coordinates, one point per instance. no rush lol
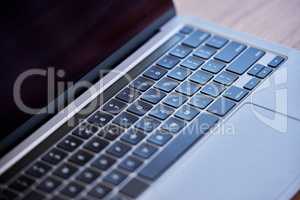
(273, 20)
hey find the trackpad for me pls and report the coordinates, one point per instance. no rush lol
(255, 155)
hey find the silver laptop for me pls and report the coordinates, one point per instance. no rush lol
(125, 100)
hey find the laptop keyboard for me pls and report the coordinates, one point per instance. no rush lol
(131, 140)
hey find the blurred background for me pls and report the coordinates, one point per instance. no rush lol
(273, 20)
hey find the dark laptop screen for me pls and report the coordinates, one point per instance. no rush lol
(60, 40)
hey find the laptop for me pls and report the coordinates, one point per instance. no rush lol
(126, 100)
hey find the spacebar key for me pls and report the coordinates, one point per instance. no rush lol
(178, 146)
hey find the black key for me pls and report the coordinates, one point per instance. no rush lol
(96, 145)
(186, 30)
(111, 132)
(153, 96)
(145, 151)
(277, 61)
(192, 63)
(205, 52)
(33, 195)
(188, 88)
(226, 78)
(72, 190)
(187, 113)
(118, 149)
(195, 39)
(181, 51)
(168, 62)
(139, 108)
(200, 101)
(99, 191)
(147, 124)
(38, 170)
(54, 156)
(125, 120)
(103, 163)
(100, 119)
(173, 125)
(114, 106)
(221, 107)
(70, 143)
(213, 66)
(179, 73)
(213, 89)
(8, 195)
(88, 176)
(161, 112)
(133, 136)
(177, 147)
(155, 73)
(49, 185)
(167, 84)
(85, 131)
(251, 84)
(230, 52)
(81, 158)
(175, 100)
(217, 42)
(246, 60)
(201, 77)
(22, 183)
(128, 95)
(115, 177)
(235, 93)
(130, 164)
(65, 171)
(142, 84)
(160, 138)
(255, 69)
(264, 72)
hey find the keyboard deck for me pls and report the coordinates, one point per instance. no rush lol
(137, 134)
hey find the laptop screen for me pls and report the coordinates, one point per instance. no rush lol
(46, 46)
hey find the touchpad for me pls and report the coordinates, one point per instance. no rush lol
(255, 155)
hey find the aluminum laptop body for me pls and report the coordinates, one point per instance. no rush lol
(251, 152)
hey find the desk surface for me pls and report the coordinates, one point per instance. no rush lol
(273, 20)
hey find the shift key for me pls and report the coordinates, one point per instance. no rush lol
(246, 60)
